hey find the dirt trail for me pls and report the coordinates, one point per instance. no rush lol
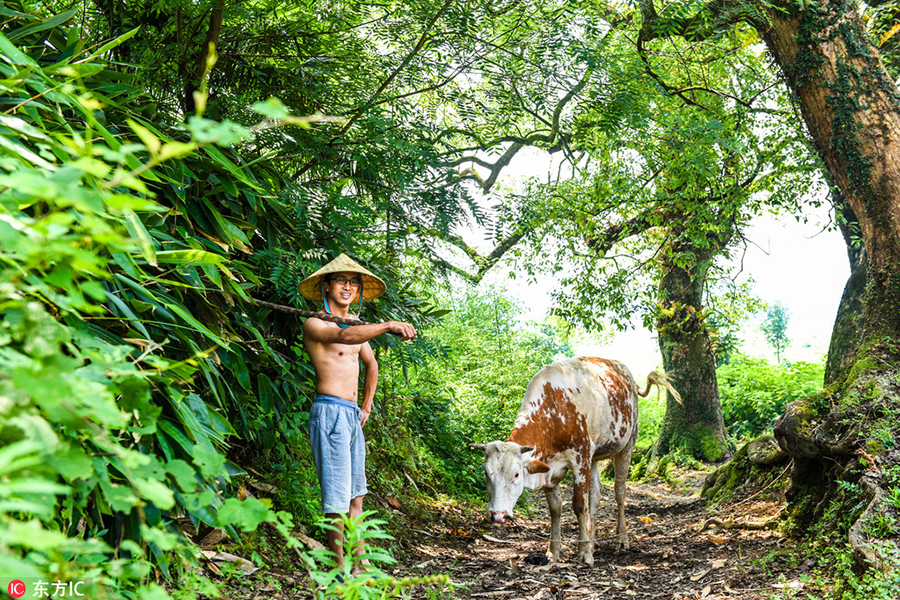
(672, 554)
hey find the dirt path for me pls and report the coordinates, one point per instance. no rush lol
(671, 556)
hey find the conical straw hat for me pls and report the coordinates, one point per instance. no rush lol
(372, 285)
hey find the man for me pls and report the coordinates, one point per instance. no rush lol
(337, 417)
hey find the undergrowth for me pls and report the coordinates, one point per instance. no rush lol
(836, 575)
(354, 579)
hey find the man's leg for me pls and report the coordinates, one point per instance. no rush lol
(356, 509)
(336, 536)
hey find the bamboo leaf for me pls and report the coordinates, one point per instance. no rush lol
(112, 44)
(139, 232)
(43, 24)
(11, 54)
(266, 392)
(149, 138)
(134, 321)
(183, 257)
(176, 150)
(197, 325)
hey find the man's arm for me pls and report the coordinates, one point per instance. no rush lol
(357, 334)
(370, 381)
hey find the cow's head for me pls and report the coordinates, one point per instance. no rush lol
(506, 464)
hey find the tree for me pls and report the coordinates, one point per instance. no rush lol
(843, 92)
(851, 109)
(774, 327)
(661, 191)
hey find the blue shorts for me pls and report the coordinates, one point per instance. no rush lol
(339, 451)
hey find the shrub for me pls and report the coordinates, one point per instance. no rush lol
(472, 391)
(755, 393)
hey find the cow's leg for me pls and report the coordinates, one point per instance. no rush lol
(582, 488)
(595, 499)
(554, 503)
(621, 462)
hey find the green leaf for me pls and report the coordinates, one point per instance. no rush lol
(43, 24)
(112, 44)
(120, 497)
(211, 463)
(26, 155)
(272, 108)
(9, 53)
(186, 316)
(183, 257)
(176, 150)
(154, 491)
(184, 474)
(266, 393)
(246, 515)
(150, 140)
(126, 311)
(19, 455)
(24, 487)
(139, 232)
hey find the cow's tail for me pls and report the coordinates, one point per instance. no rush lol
(655, 378)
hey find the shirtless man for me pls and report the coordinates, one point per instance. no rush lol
(337, 417)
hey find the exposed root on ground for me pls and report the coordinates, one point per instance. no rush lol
(744, 524)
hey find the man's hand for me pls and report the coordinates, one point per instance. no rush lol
(364, 417)
(404, 330)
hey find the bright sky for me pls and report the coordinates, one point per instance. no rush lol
(800, 265)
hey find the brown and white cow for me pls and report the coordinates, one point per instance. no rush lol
(575, 413)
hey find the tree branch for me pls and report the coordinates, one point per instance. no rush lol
(709, 21)
(426, 35)
(612, 235)
(519, 142)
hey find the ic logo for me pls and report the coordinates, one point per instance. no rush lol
(16, 588)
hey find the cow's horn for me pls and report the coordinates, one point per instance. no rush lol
(477, 446)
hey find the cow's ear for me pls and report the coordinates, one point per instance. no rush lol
(524, 449)
(537, 466)
(477, 447)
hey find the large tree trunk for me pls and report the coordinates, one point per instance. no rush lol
(852, 110)
(849, 323)
(695, 426)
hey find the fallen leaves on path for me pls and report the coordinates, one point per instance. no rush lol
(670, 557)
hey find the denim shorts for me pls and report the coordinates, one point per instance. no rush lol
(339, 451)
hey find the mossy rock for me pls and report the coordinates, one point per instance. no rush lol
(750, 466)
(764, 450)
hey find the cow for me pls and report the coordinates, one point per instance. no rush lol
(575, 412)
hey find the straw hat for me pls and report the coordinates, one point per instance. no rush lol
(372, 285)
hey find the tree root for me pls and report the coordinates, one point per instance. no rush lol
(744, 524)
(865, 552)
